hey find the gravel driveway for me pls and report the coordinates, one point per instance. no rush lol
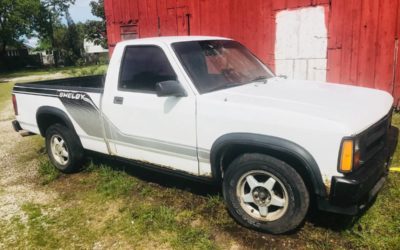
(17, 186)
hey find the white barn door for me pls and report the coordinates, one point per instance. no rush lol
(301, 44)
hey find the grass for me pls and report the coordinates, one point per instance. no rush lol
(104, 206)
(85, 71)
(48, 172)
(5, 94)
(111, 183)
(68, 71)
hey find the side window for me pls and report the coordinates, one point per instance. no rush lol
(143, 67)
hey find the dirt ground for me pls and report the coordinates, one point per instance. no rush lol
(18, 186)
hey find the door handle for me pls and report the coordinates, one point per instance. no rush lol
(118, 100)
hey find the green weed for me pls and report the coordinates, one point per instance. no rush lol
(48, 172)
(113, 184)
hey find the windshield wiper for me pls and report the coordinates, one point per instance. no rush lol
(259, 79)
(227, 86)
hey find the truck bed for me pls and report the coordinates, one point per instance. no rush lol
(84, 83)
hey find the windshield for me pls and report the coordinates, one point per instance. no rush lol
(219, 64)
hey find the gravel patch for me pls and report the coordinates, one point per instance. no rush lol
(17, 186)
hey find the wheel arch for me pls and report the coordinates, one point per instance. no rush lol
(227, 147)
(47, 116)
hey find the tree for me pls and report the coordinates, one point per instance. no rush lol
(16, 20)
(96, 31)
(73, 41)
(49, 19)
(67, 41)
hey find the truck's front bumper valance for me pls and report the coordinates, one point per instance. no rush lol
(355, 191)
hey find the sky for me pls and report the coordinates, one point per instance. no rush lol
(80, 12)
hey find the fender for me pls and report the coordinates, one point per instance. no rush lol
(55, 112)
(271, 143)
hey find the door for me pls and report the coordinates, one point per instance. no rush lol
(144, 127)
(173, 18)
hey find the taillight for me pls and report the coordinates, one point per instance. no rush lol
(14, 101)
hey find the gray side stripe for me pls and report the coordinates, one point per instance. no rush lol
(88, 116)
(153, 144)
(155, 150)
(204, 155)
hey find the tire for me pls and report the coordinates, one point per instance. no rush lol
(265, 194)
(64, 148)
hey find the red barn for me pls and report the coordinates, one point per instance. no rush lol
(348, 41)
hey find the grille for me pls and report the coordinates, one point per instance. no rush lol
(374, 138)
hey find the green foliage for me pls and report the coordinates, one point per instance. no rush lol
(98, 9)
(68, 42)
(36, 226)
(96, 31)
(160, 224)
(192, 238)
(48, 23)
(113, 184)
(86, 71)
(380, 227)
(48, 172)
(16, 20)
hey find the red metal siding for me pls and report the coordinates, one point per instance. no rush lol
(361, 40)
(361, 47)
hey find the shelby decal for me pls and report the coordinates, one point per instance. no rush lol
(72, 95)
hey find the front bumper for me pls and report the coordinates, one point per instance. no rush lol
(353, 192)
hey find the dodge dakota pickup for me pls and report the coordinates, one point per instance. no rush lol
(206, 108)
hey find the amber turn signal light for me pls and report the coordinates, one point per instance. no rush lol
(346, 156)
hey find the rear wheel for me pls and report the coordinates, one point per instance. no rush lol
(265, 193)
(64, 148)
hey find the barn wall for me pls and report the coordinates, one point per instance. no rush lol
(361, 47)
(361, 34)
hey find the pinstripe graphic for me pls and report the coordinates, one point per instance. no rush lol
(87, 115)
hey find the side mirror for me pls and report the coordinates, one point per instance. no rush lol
(170, 88)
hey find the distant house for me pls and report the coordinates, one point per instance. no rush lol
(20, 56)
(94, 53)
(91, 48)
(46, 56)
(23, 50)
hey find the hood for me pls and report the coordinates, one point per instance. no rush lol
(356, 108)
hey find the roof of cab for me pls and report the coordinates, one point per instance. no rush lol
(171, 39)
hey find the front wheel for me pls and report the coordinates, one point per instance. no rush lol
(265, 193)
(64, 148)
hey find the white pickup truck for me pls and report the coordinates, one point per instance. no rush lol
(207, 108)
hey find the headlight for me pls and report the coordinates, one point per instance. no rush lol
(349, 155)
